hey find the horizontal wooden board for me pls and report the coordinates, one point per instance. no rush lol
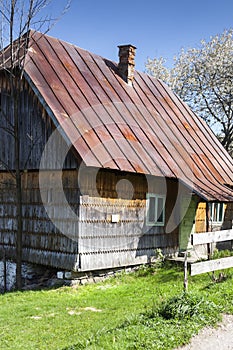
(212, 237)
(211, 265)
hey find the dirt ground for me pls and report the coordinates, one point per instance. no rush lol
(220, 338)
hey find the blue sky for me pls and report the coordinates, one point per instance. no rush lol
(156, 28)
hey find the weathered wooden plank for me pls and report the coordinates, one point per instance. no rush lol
(111, 259)
(211, 265)
(212, 237)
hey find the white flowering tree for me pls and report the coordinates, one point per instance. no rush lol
(203, 77)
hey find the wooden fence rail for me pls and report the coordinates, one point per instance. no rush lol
(211, 237)
(211, 265)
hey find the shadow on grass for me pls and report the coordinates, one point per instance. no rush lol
(169, 272)
(168, 277)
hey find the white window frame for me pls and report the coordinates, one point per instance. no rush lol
(155, 222)
(215, 212)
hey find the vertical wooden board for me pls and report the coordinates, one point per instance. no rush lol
(187, 224)
(228, 216)
(200, 220)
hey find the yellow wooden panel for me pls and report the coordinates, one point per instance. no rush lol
(200, 220)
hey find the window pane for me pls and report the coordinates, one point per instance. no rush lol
(220, 213)
(151, 214)
(215, 212)
(211, 210)
(160, 210)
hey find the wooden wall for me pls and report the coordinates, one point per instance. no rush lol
(187, 225)
(201, 219)
(95, 197)
(228, 219)
(104, 243)
(108, 225)
(35, 129)
(43, 243)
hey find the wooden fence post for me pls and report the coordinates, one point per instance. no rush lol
(186, 271)
(4, 272)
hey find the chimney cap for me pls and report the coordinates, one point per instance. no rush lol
(127, 45)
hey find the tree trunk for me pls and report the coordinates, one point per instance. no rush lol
(18, 179)
(19, 231)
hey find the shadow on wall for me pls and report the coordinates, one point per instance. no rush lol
(226, 225)
(155, 238)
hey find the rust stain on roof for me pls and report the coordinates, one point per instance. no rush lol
(142, 128)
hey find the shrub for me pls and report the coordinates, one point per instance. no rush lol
(217, 254)
(188, 305)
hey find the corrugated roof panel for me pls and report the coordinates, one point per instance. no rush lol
(133, 153)
(132, 114)
(144, 128)
(160, 130)
(57, 80)
(192, 145)
(207, 140)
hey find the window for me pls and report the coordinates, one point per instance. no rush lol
(155, 210)
(216, 212)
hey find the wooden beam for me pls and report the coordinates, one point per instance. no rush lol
(211, 265)
(212, 237)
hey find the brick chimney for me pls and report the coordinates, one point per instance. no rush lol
(126, 62)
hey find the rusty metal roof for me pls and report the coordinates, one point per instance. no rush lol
(145, 128)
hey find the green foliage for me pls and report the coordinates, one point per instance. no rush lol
(144, 270)
(217, 254)
(187, 306)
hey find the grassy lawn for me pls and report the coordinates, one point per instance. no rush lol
(131, 311)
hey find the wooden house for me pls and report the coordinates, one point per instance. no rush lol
(114, 165)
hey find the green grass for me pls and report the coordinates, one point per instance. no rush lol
(143, 310)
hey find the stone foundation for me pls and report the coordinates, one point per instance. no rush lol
(38, 277)
(33, 276)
